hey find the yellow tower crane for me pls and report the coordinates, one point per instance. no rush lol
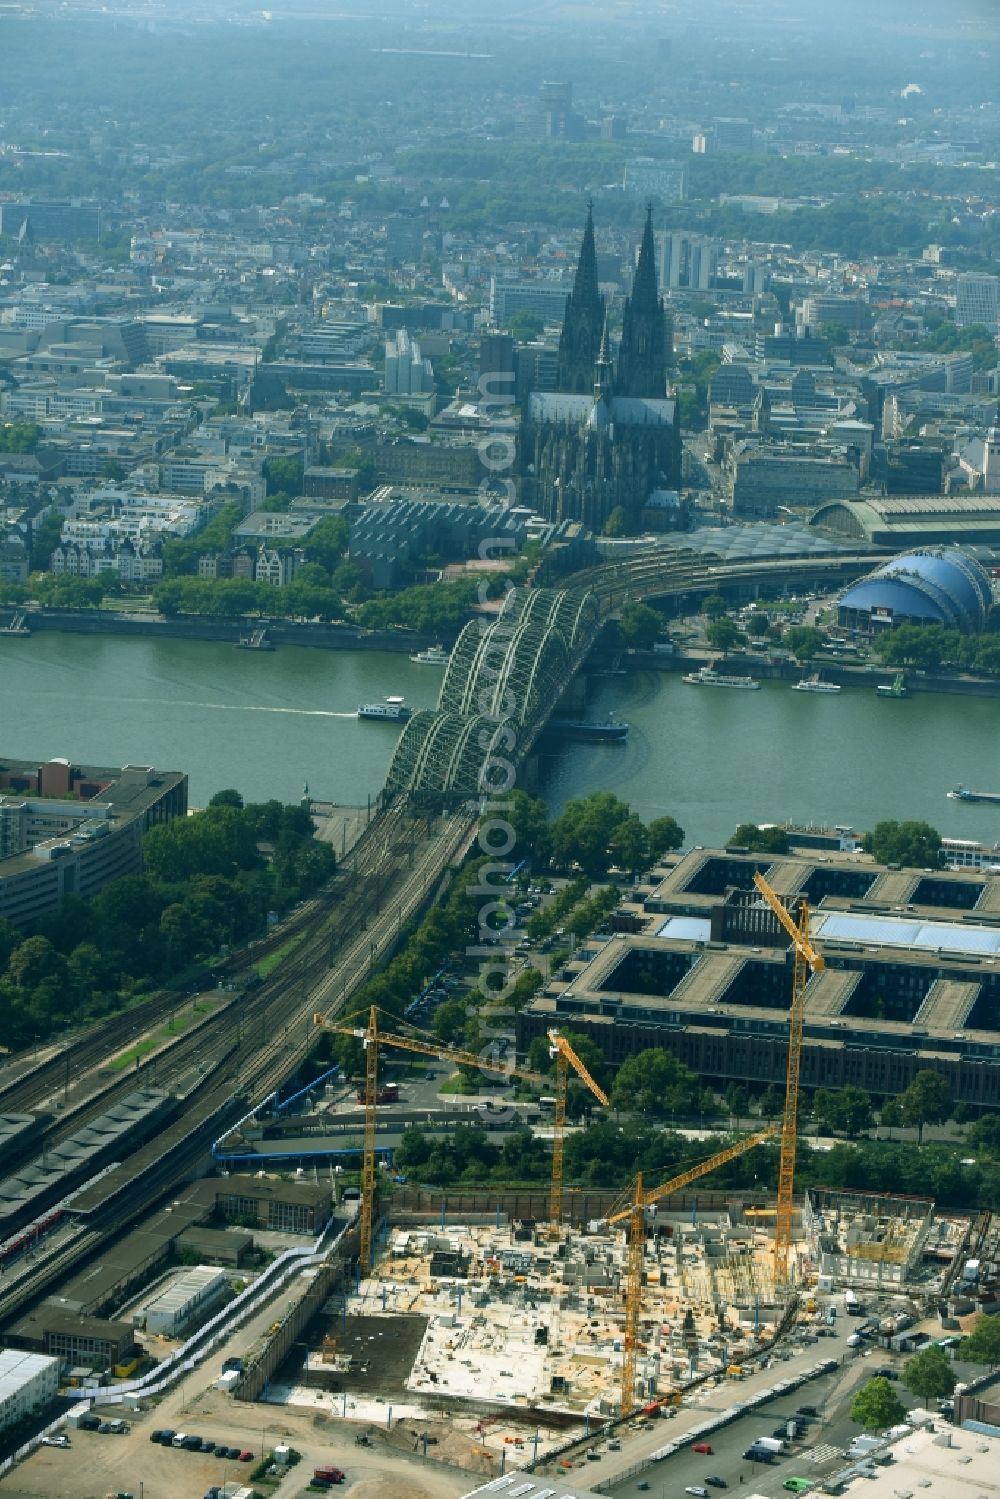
(635, 1212)
(372, 1039)
(806, 959)
(565, 1058)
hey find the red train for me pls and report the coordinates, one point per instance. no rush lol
(29, 1236)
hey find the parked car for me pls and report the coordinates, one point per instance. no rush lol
(715, 1482)
(233, 1454)
(246, 1456)
(696, 1490)
(705, 1447)
(56, 1441)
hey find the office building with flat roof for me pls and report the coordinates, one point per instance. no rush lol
(911, 982)
(28, 1381)
(68, 830)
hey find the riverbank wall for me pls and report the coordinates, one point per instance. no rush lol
(346, 637)
(330, 637)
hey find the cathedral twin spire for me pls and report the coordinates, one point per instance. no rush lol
(583, 322)
(583, 350)
(642, 354)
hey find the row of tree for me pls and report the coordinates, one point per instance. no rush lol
(608, 1152)
(210, 882)
(930, 647)
(913, 843)
(593, 832)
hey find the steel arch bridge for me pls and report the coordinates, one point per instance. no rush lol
(502, 683)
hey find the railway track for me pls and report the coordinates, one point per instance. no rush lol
(83, 1054)
(394, 877)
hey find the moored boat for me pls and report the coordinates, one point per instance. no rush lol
(434, 655)
(709, 677)
(612, 730)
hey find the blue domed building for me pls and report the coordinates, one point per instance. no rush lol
(940, 587)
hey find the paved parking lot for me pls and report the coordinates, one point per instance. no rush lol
(96, 1465)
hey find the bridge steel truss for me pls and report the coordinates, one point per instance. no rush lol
(511, 672)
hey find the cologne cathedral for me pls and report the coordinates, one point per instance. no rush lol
(608, 437)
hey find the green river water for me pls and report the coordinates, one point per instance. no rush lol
(267, 723)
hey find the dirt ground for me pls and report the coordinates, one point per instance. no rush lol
(95, 1465)
(383, 1350)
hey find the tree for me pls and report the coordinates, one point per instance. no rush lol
(327, 542)
(226, 798)
(914, 844)
(758, 625)
(629, 845)
(803, 641)
(890, 1114)
(714, 606)
(982, 1346)
(854, 1111)
(616, 523)
(665, 834)
(526, 325)
(929, 1374)
(737, 1100)
(590, 1054)
(771, 1102)
(582, 833)
(655, 1082)
(984, 1134)
(926, 1101)
(876, 1406)
(449, 1020)
(772, 840)
(19, 437)
(639, 625)
(45, 537)
(848, 1109)
(722, 634)
(283, 475)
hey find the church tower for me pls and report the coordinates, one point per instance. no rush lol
(642, 354)
(580, 339)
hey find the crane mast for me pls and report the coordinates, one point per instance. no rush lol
(565, 1058)
(372, 1039)
(806, 960)
(635, 1212)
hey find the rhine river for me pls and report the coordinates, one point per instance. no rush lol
(268, 723)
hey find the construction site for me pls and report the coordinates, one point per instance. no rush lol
(516, 1320)
(502, 1336)
(530, 1324)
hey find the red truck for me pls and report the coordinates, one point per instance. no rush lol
(388, 1093)
(329, 1475)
